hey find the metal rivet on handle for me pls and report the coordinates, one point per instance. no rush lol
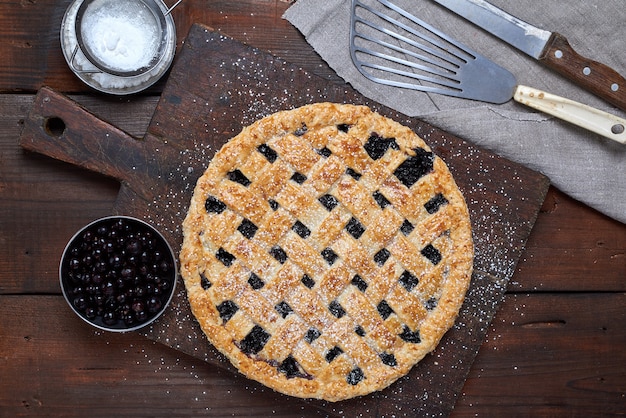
(586, 71)
(614, 87)
(558, 53)
(617, 129)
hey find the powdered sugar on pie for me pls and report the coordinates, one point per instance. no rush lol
(326, 251)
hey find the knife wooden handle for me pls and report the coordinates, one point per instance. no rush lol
(590, 118)
(598, 78)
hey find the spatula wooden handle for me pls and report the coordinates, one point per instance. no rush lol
(593, 76)
(592, 119)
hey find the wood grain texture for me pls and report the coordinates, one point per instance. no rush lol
(218, 85)
(52, 364)
(594, 76)
(541, 358)
(572, 247)
(586, 251)
(32, 55)
(59, 367)
(562, 355)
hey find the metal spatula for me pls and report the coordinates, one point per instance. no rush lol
(390, 46)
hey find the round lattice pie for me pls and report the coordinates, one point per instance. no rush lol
(326, 251)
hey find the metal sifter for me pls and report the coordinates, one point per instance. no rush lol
(119, 46)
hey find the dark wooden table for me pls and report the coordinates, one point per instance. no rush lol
(556, 347)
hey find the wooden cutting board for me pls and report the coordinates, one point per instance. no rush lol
(218, 85)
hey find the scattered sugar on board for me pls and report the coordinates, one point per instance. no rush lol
(498, 258)
(167, 211)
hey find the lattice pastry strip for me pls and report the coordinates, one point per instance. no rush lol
(371, 325)
(325, 174)
(326, 251)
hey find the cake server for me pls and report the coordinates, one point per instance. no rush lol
(390, 46)
(549, 48)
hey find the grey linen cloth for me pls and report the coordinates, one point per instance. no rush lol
(584, 165)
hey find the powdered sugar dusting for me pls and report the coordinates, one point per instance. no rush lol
(244, 90)
(121, 49)
(123, 36)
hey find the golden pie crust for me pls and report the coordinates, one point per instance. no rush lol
(326, 251)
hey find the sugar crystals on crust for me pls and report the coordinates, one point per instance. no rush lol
(326, 250)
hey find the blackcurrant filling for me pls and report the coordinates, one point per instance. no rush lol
(333, 353)
(381, 200)
(415, 167)
(283, 309)
(324, 152)
(328, 201)
(336, 309)
(214, 205)
(291, 369)
(359, 283)
(279, 254)
(301, 130)
(382, 256)
(355, 376)
(343, 127)
(227, 310)
(388, 359)
(376, 146)
(267, 152)
(254, 341)
(329, 255)
(384, 309)
(410, 336)
(434, 204)
(307, 281)
(408, 280)
(353, 173)
(355, 228)
(255, 281)
(238, 177)
(311, 335)
(298, 177)
(301, 229)
(247, 228)
(432, 254)
(407, 227)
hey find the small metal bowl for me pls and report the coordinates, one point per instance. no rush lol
(118, 273)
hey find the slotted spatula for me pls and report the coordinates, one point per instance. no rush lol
(391, 46)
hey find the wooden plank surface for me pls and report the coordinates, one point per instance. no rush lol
(572, 269)
(590, 249)
(587, 251)
(562, 355)
(40, 227)
(540, 358)
(32, 55)
(218, 85)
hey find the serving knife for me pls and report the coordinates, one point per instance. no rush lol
(549, 48)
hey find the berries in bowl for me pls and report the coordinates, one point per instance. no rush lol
(118, 273)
